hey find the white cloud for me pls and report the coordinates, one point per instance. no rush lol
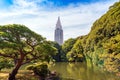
(76, 21)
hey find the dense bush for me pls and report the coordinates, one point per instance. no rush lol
(39, 69)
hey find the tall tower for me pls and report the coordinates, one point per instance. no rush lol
(58, 37)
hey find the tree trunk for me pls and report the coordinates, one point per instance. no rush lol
(12, 74)
(15, 70)
(41, 78)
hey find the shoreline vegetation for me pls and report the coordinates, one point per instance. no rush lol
(24, 74)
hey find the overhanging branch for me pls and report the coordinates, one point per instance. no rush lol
(5, 55)
(32, 46)
(29, 60)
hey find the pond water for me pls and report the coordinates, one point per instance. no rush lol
(79, 71)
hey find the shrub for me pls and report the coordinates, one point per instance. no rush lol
(39, 69)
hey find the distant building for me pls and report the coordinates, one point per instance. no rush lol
(58, 37)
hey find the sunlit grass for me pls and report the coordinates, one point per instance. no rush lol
(22, 75)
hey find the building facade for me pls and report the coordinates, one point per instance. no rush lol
(58, 36)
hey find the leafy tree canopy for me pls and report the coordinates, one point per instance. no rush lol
(102, 45)
(22, 45)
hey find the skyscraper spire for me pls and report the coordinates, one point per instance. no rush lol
(58, 37)
(58, 24)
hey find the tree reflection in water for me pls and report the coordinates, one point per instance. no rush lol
(80, 71)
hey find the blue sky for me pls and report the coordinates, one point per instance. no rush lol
(56, 2)
(5, 3)
(60, 3)
(77, 16)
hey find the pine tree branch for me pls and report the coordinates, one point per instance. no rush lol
(5, 55)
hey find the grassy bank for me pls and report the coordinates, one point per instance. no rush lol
(22, 75)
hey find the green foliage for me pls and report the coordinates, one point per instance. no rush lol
(76, 53)
(4, 63)
(67, 46)
(21, 45)
(112, 48)
(101, 46)
(60, 56)
(103, 40)
(30, 67)
(40, 69)
(48, 51)
(17, 40)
